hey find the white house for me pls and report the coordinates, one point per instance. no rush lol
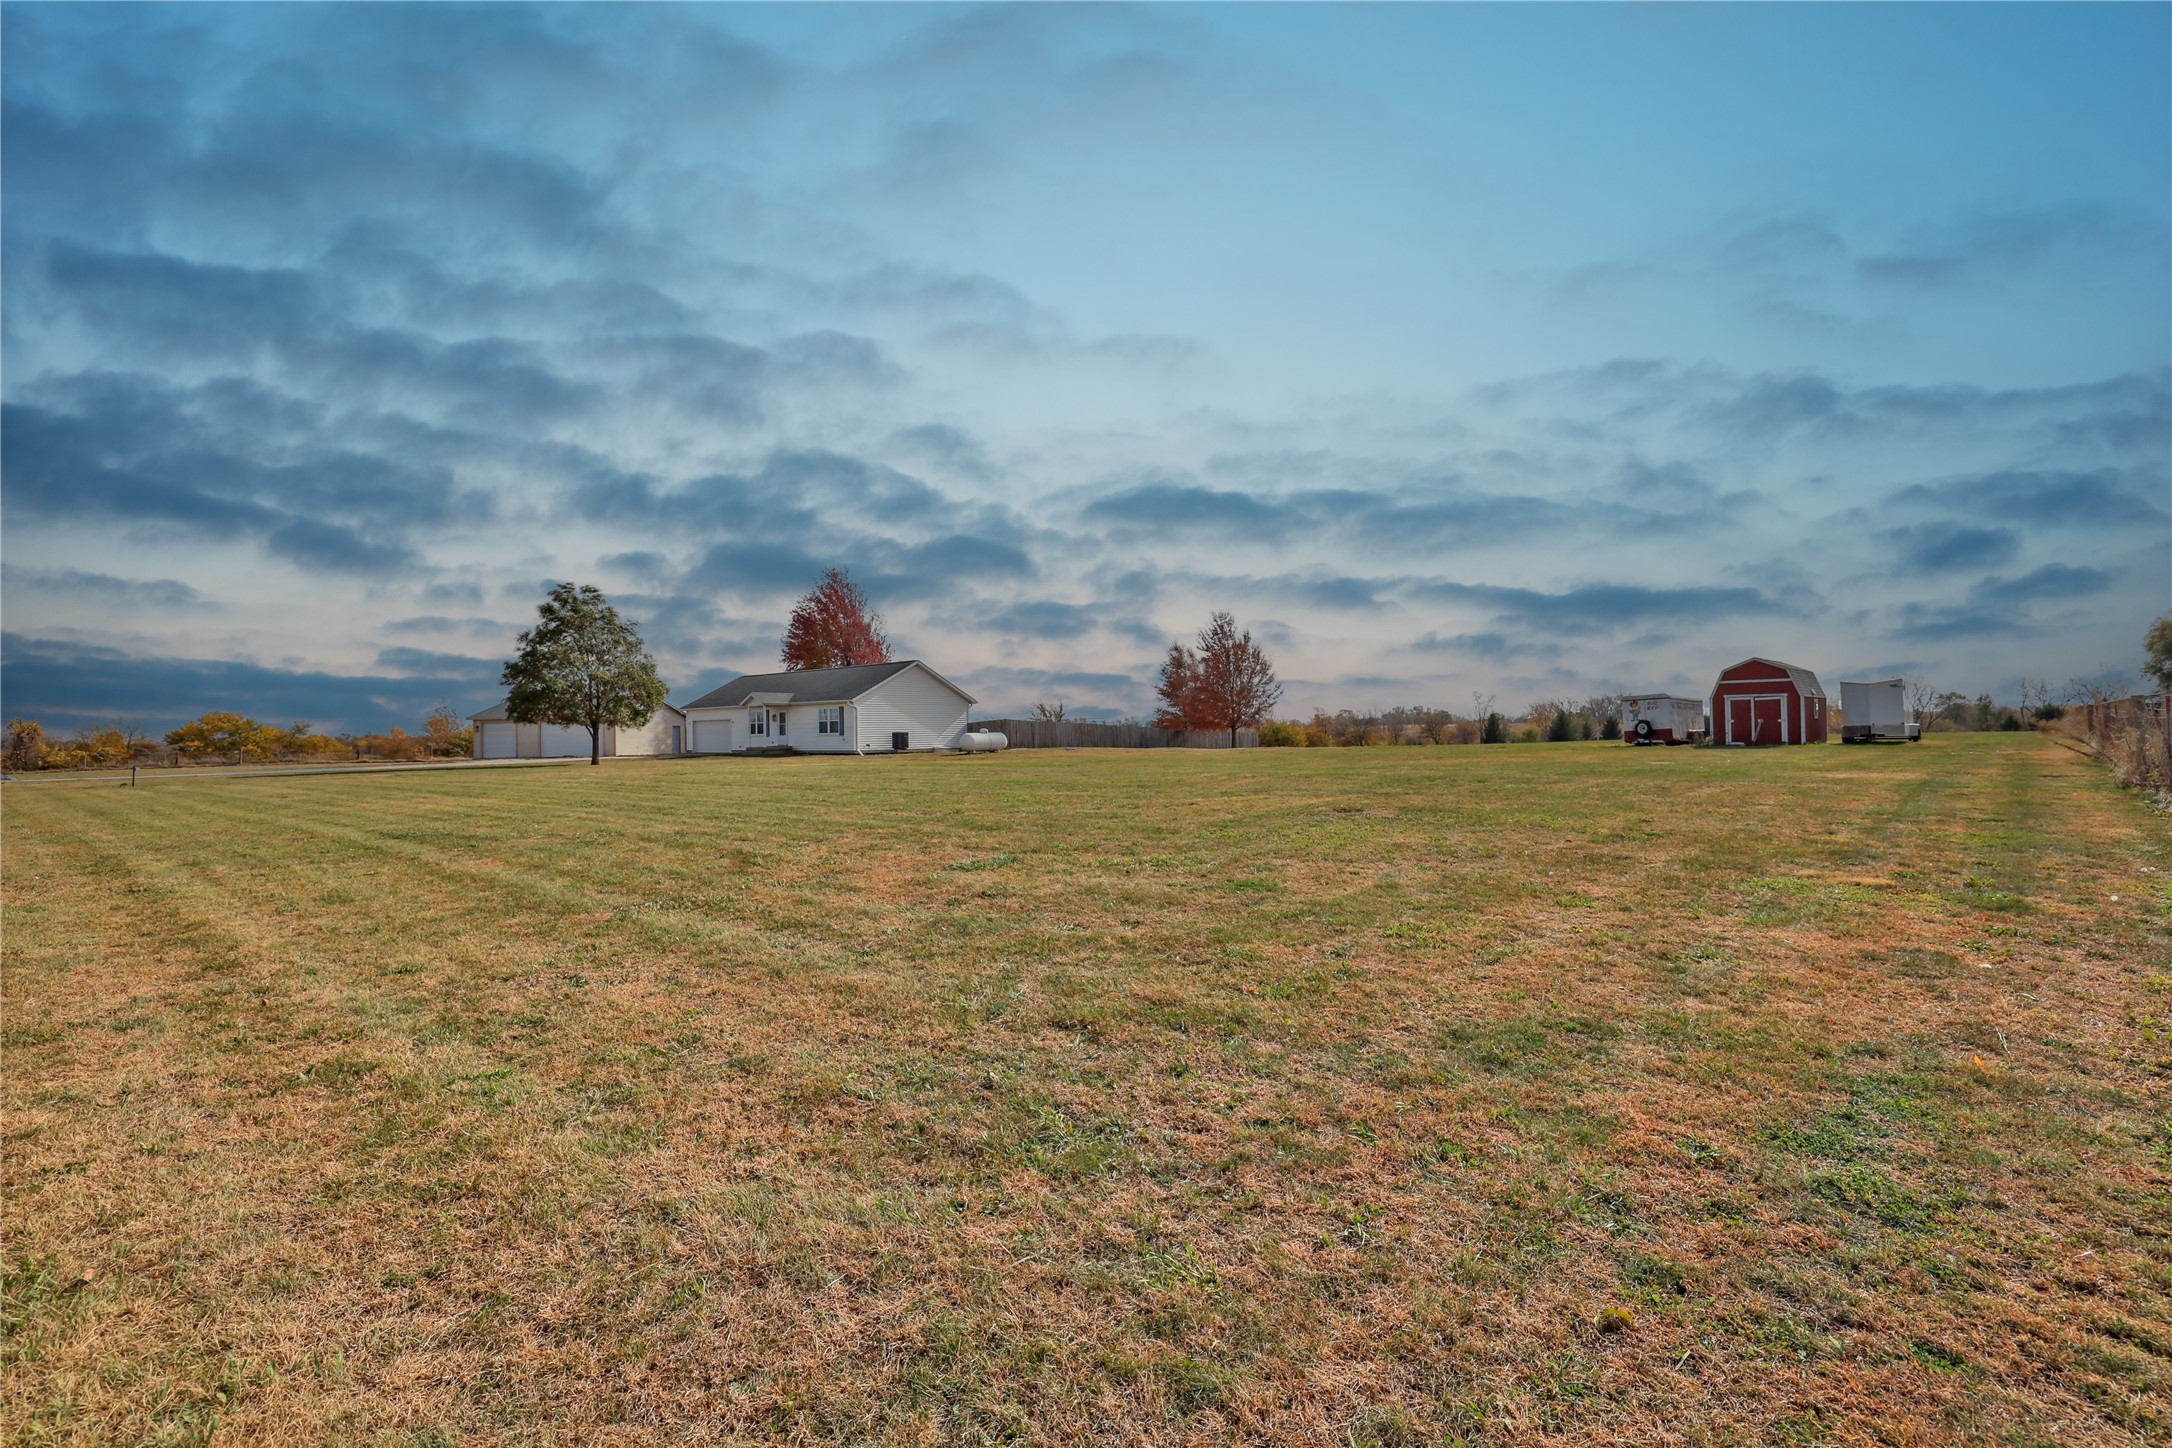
(864, 709)
(497, 737)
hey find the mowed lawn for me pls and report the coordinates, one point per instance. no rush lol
(1562, 1093)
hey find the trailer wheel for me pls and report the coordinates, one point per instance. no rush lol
(1644, 731)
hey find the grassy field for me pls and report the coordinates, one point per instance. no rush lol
(1566, 1093)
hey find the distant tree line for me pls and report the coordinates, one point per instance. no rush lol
(1548, 720)
(2040, 702)
(224, 737)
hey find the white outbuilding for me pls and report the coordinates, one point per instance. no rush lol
(498, 737)
(865, 709)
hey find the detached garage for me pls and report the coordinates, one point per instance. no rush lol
(498, 737)
(1763, 701)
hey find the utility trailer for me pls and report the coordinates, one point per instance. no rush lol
(1661, 719)
(1874, 711)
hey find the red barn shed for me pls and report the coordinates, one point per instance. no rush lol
(1762, 701)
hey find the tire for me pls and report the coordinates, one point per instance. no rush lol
(1644, 731)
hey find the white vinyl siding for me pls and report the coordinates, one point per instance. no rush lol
(811, 729)
(916, 702)
(653, 737)
(913, 700)
(570, 741)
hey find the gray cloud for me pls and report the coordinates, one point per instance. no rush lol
(1175, 505)
(129, 592)
(1926, 623)
(452, 592)
(950, 447)
(2046, 498)
(1949, 547)
(68, 686)
(1603, 607)
(1047, 620)
(51, 467)
(2052, 581)
(401, 660)
(1975, 247)
(438, 623)
(1493, 647)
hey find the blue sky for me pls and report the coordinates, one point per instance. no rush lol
(1523, 350)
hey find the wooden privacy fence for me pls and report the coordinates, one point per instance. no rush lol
(1081, 734)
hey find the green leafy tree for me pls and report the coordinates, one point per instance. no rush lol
(2157, 648)
(582, 666)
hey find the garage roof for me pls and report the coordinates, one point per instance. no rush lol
(496, 714)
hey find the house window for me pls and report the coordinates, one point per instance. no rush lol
(758, 722)
(830, 721)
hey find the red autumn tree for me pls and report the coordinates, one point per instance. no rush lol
(1176, 685)
(1225, 682)
(833, 627)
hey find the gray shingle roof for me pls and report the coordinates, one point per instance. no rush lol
(804, 686)
(496, 714)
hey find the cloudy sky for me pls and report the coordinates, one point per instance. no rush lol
(1528, 350)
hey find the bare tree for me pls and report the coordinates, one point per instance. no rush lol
(2098, 688)
(1052, 713)
(1922, 695)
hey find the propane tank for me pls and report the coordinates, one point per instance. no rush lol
(983, 741)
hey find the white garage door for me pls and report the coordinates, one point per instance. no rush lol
(712, 736)
(565, 741)
(496, 741)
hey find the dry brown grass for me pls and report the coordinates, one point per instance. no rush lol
(1549, 1094)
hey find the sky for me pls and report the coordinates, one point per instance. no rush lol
(1460, 351)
